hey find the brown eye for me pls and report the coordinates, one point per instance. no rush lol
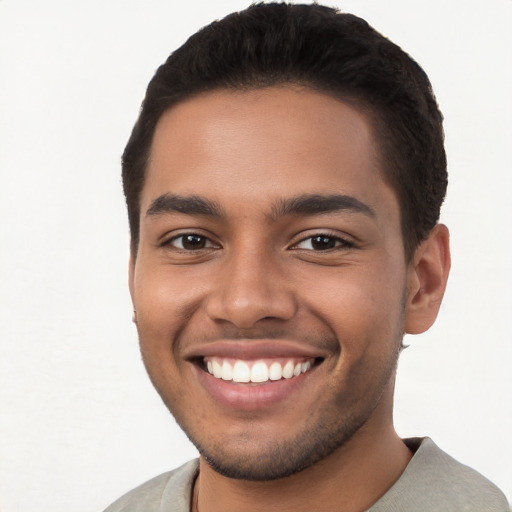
(321, 242)
(190, 242)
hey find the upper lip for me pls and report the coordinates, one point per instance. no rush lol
(254, 349)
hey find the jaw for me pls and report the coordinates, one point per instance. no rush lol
(266, 431)
(352, 477)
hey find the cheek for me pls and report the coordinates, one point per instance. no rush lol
(163, 300)
(159, 315)
(363, 307)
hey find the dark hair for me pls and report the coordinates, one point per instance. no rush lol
(332, 52)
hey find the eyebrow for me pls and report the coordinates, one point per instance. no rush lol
(307, 204)
(315, 204)
(188, 205)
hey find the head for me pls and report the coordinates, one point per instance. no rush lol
(283, 183)
(327, 51)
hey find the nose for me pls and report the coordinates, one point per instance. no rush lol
(250, 287)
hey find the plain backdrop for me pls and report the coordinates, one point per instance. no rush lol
(80, 423)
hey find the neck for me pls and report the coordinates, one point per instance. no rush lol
(352, 478)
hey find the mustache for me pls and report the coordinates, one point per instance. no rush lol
(322, 339)
(237, 334)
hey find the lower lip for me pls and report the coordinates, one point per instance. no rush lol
(250, 397)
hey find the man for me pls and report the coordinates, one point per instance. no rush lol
(284, 181)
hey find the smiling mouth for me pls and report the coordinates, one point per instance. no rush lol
(257, 371)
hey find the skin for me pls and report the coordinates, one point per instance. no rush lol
(257, 274)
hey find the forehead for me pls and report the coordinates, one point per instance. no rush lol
(260, 144)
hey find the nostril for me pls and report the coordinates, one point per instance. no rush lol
(244, 306)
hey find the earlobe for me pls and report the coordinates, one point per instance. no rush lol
(427, 278)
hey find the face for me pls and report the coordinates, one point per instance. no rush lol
(270, 278)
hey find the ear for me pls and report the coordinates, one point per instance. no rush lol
(428, 273)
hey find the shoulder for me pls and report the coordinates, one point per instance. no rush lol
(170, 492)
(434, 481)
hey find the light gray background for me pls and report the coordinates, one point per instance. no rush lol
(79, 421)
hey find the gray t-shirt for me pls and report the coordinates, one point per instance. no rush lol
(432, 482)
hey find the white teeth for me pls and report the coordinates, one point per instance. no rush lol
(275, 372)
(227, 371)
(241, 372)
(288, 370)
(258, 373)
(217, 369)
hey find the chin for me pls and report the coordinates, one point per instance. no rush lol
(273, 460)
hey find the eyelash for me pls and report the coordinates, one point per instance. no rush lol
(169, 242)
(339, 242)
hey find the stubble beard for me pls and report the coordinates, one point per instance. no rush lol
(281, 459)
(275, 459)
